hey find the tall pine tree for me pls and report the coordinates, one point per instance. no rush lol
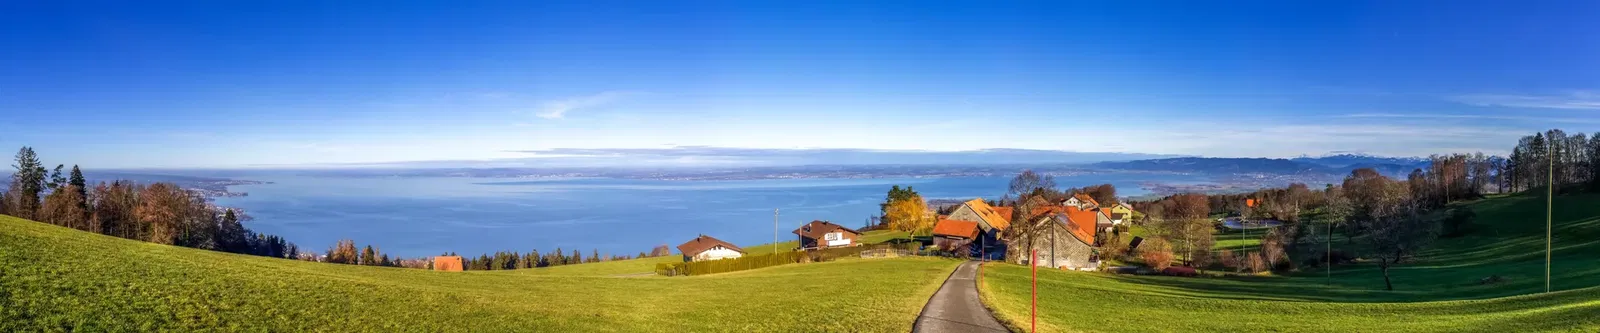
(27, 183)
(77, 180)
(56, 179)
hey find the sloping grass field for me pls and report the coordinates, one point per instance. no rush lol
(1438, 293)
(59, 279)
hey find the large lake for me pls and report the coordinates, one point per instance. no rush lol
(428, 216)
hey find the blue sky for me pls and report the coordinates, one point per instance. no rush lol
(228, 84)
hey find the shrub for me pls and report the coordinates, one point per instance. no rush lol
(1228, 260)
(1113, 250)
(1492, 279)
(1342, 257)
(1458, 223)
(1156, 253)
(1180, 271)
(1255, 263)
(669, 268)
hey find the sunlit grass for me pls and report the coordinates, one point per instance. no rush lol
(1438, 292)
(58, 279)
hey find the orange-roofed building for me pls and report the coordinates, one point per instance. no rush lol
(1005, 213)
(953, 235)
(1082, 201)
(1069, 242)
(990, 224)
(987, 216)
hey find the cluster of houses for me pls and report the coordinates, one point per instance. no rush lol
(974, 228)
(1067, 241)
(813, 236)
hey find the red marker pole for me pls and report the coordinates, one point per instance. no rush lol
(1033, 261)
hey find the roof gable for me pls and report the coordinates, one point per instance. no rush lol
(1081, 223)
(988, 214)
(1004, 212)
(701, 244)
(1086, 198)
(818, 228)
(956, 228)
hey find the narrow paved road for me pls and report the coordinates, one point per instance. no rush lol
(956, 308)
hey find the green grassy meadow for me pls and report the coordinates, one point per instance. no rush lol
(1440, 292)
(59, 279)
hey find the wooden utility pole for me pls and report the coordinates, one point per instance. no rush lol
(1549, 212)
(774, 230)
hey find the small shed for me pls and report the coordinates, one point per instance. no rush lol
(447, 263)
(951, 235)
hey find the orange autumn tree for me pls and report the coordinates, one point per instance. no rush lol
(910, 215)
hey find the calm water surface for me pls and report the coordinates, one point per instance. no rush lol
(428, 216)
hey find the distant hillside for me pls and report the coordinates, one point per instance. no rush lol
(1348, 160)
(1212, 165)
(1391, 166)
(1334, 165)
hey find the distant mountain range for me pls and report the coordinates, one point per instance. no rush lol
(1332, 165)
(726, 157)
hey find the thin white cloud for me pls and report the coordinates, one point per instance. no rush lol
(1575, 100)
(1471, 116)
(1397, 137)
(558, 109)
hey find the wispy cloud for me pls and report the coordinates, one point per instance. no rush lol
(1471, 116)
(1575, 100)
(1391, 137)
(559, 108)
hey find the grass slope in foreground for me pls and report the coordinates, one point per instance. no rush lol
(54, 278)
(1437, 293)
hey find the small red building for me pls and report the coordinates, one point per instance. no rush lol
(447, 263)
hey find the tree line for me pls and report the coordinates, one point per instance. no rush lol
(510, 260)
(1574, 160)
(1388, 220)
(158, 212)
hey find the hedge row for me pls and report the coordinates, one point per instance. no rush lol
(728, 265)
(768, 260)
(855, 251)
